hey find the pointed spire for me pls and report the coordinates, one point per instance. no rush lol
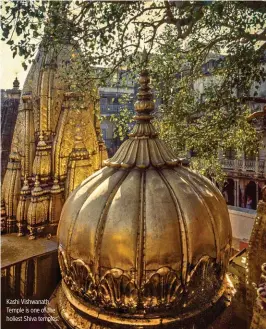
(145, 104)
(42, 161)
(79, 164)
(37, 186)
(25, 186)
(56, 187)
(11, 187)
(56, 203)
(143, 148)
(16, 84)
(22, 209)
(41, 140)
(38, 211)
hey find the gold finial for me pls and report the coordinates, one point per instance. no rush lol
(56, 187)
(144, 105)
(41, 142)
(16, 83)
(37, 182)
(37, 186)
(25, 186)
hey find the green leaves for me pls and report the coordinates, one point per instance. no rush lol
(180, 39)
(24, 65)
(122, 122)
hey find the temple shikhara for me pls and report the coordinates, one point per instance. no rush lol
(56, 144)
(142, 241)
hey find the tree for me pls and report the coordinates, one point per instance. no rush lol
(175, 34)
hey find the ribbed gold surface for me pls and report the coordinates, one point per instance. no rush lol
(144, 235)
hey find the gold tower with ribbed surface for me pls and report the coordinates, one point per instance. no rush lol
(144, 242)
(44, 140)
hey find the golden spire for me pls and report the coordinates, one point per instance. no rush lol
(145, 104)
(56, 187)
(79, 164)
(29, 146)
(38, 209)
(42, 160)
(11, 188)
(22, 209)
(143, 148)
(46, 134)
(56, 203)
(37, 190)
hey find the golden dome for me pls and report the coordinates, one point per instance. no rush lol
(143, 238)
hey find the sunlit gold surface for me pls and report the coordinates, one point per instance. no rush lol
(11, 189)
(256, 252)
(44, 145)
(259, 312)
(23, 206)
(79, 164)
(144, 236)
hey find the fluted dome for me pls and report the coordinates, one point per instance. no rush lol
(143, 238)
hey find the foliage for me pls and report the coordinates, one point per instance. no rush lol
(180, 37)
(122, 122)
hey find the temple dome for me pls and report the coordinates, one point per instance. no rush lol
(144, 237)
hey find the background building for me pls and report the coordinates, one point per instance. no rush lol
(245, 175)
(118, 94)
(9, 111)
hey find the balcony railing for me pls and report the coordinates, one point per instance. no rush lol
(228, 163)
(250, 165)
(256, 166)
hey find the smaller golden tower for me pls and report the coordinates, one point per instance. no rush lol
(23, 206)
(11, 189)
(56, 203)
(38, 210)
(79, 165)
(44, 144)
(42, 161)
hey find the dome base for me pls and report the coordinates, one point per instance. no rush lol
(67, 312)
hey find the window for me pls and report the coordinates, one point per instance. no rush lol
(250, 156)
(230, 153)
(103, 101)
